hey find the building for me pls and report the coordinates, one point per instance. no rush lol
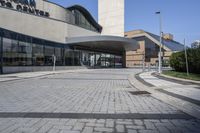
(196, 44)
(149, 48)
(32, 32)
(111, 17)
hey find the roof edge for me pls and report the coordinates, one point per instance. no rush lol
(87, 14)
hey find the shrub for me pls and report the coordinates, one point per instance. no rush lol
(177, 61)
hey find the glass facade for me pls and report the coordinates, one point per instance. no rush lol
(82, 21)
(38, 55)
(100, 60)
(151, 49)
(21, 50)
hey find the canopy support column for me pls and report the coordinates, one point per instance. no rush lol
(124, 59)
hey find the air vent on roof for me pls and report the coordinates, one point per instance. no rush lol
(168, 36)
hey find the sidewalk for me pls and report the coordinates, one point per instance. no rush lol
(26, 75)
(184, 97)
(191, 91)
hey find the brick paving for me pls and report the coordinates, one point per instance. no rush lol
(91, 92)
(30, 125)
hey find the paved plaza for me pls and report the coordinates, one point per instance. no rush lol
(186, 89)
(87, 101)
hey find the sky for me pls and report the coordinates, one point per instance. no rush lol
(179, 17)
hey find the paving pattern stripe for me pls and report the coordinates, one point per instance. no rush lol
(94, 116)
(143, 81)
(82, 79)
(197, 102)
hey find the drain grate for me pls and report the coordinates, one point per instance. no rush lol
(139, 92)
(128, 87)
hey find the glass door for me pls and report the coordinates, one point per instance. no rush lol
(97, 60)
(92, 59)
(118, 62)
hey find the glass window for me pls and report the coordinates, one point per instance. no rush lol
(10, 52)
(85, 58)
(48, 55)
(58, 54)
(76, 58)
(92, 59)
(118, 61)
(112, 61)
(24, 54)
(82, 21)
(7, 45)
(151, 50)
(7, 51)
(38, 55)
(69, 58)
(98, 59)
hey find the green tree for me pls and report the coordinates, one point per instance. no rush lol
(178, 63)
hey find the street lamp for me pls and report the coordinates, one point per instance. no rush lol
(54, 62)
(160, 51)
(186, 59)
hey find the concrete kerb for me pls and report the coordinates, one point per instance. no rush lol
(186, 80)
(187, 107)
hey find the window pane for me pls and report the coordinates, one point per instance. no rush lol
(58, 54)
(24, 54)
(118, 61)
(69, 57)
(38, 55)
(76, 58)
(10, 52)
(49, 52)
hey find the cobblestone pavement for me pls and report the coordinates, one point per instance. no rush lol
(28, 125)
(104, 92)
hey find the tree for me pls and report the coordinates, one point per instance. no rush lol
(177, 61)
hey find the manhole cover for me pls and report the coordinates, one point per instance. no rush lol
(139, 92)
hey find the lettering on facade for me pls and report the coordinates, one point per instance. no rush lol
(28, 6)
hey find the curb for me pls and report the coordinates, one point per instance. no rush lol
(17, 78)
(180, 79)
(182, 105)
(175, 80)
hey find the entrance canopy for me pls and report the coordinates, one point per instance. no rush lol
(108, 44)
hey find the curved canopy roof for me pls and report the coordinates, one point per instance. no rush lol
(87, 14)
(110, 44)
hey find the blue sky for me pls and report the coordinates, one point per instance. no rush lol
(180, 17)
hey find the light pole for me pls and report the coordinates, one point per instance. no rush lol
(160, 51)
(186, 59)
(54, 62)
(143, 62)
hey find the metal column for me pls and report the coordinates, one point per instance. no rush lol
(124, 59)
